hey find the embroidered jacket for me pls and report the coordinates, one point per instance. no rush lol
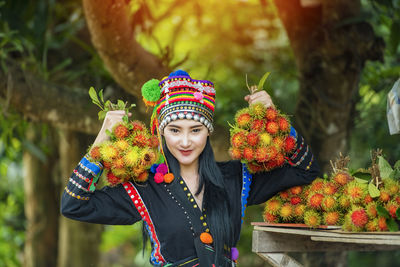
(169, 211)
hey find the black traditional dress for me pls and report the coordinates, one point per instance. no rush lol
(169, 212)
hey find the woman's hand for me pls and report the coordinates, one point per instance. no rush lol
(112, 117)
(260, 97)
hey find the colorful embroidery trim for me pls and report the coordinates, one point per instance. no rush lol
(156, 257)
(247, 179)
(72, 194)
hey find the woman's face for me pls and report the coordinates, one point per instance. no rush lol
(186, 140)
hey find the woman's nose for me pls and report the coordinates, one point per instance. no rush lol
(185, 141)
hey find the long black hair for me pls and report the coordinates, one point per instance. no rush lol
(215, 196)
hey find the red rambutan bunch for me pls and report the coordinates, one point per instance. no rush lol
(392, 207)
(315, 200)
(272, 127)
(95, 153)
(271, 114)
(290, 144)
(137, 126)
(238, 139)
(359, 217)
(243, 120)
(330, 188)
(382, 225)
(270, 218)
(252, 139)
(342, 178)
(295, 200)
(317, 185)
(120, 130)
(283, 124)
(257, 125)
(112, 179)
(296, 190)
(248, 153)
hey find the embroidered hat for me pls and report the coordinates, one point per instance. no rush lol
(180, 97)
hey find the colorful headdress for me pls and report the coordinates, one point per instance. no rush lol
(180, 97)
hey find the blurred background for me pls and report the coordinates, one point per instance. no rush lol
(332, 64)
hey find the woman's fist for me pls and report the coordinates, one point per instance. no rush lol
(112, 118)
(260, 97)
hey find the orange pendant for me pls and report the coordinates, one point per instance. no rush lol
(206, 238)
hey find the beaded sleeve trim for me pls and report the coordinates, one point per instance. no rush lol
(247, 179)
(156, 258)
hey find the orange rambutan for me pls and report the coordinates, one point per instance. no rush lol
(356, 191)
(371, 210)
(279, 159)
(243, 120)
(392, 207)
(270, 165)
(120, 131)
(154, 141)
(278, 142)
(253, 167)
(359, 217)
(312, 218)
(317, 185)
(329, 188)
(344, 202)
(112, 179)
(118, 163)
(283, 123)
(265, 139)
(296, 190)
(142, 177)
(257, 125)
(384, 196)
(342, 178)
(372, 226)
(107, 164)
(121, 173)
(272, 127)
(121, 144)
(257, 110)
(270, 218)
(148, 158)
(137, 126)
(273, 206)
(132, 157)
(238, 139)
(329, 203)
(248, 153)
(235, 153)
(382, 225)
(332, 218)
(140, 140)
(315, 200)
(299, 211)
(295, 200)
(108, 151)
(95, 153)
(367, 199)
(397, 199)
(271, 113)
(391, 186)
(252, 139)
(290, 144)
(262, 154)
(286, 212)
(284, 195)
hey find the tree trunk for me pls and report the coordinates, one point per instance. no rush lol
(78, 242)
(330, 53)
(41, 205)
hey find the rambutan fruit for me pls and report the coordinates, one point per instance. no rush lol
(148, 158)
(142, 177)
(118, 163)
(384, 196)
(248, 153)
(317, 185)
(137, 126)
(290, 144)
(372, 226)
(243, 120)
(270, 218)
(132, 156)
(235, 153)
(344, 202)
(329, 203)
(296, 190)
(278, 143)
(262, 154)
(257, 125)
(120, 131)
(392, 207)
(284, 195)
(391, 186)
(283, 123)
(312, 218)
(252, 139)
(107, 164)
(279, 159)
(265, 139)
(254, 168)
(108, 151)
(154, 141)
(257, 110)
(329, 188)
(299, 211)
(356, 191)
(273, 206)
(347, 225)
(121, 173)
(367, 199)
(286, 212)
(271, 152)
(295, 200)
(95, 153)
(112, 179)
(332, 218)
(359, 217)
(270, 165)
(397, 199)
(371, 210)
(272, 127)
(271, 114)
(382, 225)
(121, 144)
(238, 139)
(140, 140)
(342, 178)
(315, 200)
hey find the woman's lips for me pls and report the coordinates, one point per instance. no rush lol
(185, 152)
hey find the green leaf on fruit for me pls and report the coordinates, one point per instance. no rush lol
(125, 118)
(361, 181)
(362, 174)
(373, 190)
(384, 167)
(262, 81)
(382, 212)
(395, 174)
(392, 225)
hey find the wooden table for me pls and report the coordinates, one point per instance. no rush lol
(272, 242)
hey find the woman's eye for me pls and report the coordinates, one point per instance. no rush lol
(174, 130)
(196, 130)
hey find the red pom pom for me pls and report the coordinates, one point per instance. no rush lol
(158, 178)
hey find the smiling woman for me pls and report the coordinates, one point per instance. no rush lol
(191, 206)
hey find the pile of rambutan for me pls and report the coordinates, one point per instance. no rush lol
(260, 138)
(341, 200)
(131, 151)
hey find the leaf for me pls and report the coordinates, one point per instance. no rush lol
(121, 104)
(101, 96)
(397, 165)
(107, 105)
(102, 114)
(125, 118)
(392, 225)
(398, 214)
(108, 132)
(373, 190)
(362, 175)
(384, 167)
(382, 212)
(361, 181)
(395, 174)
(262, 81)
(93, 95)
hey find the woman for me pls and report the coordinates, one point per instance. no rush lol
(196, 219)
